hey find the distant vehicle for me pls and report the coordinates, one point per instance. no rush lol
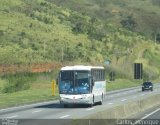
(147, 86)
(81, 85)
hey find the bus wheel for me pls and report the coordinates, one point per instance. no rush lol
(91, 105)
(101, 102)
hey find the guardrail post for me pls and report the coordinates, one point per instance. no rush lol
(53, 87)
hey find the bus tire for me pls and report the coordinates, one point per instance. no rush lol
(91, 105)
(101, 102)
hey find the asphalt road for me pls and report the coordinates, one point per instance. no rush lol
(53, 110)
(148, 117)
(153, 113)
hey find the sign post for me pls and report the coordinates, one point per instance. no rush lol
(53, 87)
(138, 70)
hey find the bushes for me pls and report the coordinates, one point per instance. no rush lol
(129, 23)
(23, 81)
(17, 82)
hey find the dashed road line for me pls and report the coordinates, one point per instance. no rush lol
(36, 111)
(89, 109)
(64, 116)
(110, 103)
(26, 106)
(123, 100)
(142, 94)
(14, 116)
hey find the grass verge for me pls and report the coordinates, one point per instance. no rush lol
(37, 93)
(122, 83)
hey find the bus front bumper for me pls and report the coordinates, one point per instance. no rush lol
(76, 99)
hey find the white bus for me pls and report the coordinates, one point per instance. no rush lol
(82, 85)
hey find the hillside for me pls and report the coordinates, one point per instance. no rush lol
(142, 16)
(42, 31)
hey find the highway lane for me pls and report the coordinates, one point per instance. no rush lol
(154, 115)
(148, 117)
(53, 110)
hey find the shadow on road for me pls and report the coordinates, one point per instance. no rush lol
(52, 105)
(58, 105)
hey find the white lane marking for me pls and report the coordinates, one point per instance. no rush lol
(14, 116)
(146, 116)
(89, 109)
(64, 116)
(110, 103)
(151, 113)
(36, 111)
(123, 100)
(28, 106)
(2, 109)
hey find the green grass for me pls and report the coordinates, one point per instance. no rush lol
(40, 89)
(2, 83)
(122, 83)
(35, 94)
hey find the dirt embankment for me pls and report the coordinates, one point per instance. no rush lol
(34, 68)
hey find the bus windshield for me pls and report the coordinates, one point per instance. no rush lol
(74, 82)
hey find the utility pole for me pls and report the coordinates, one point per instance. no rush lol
(155, 39)
(62, 55)
(44, 48)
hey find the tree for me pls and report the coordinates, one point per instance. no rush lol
(80, 27)
(129, 23)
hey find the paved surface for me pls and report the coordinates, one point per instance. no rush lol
(148, 117)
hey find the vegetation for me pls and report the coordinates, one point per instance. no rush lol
(37, 92)
(39, 31)
(122, 83)
(142, 16)
(13, 89)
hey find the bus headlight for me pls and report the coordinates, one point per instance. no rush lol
(62, 98)
(85, 96)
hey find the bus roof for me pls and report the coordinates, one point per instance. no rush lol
(81, 67)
